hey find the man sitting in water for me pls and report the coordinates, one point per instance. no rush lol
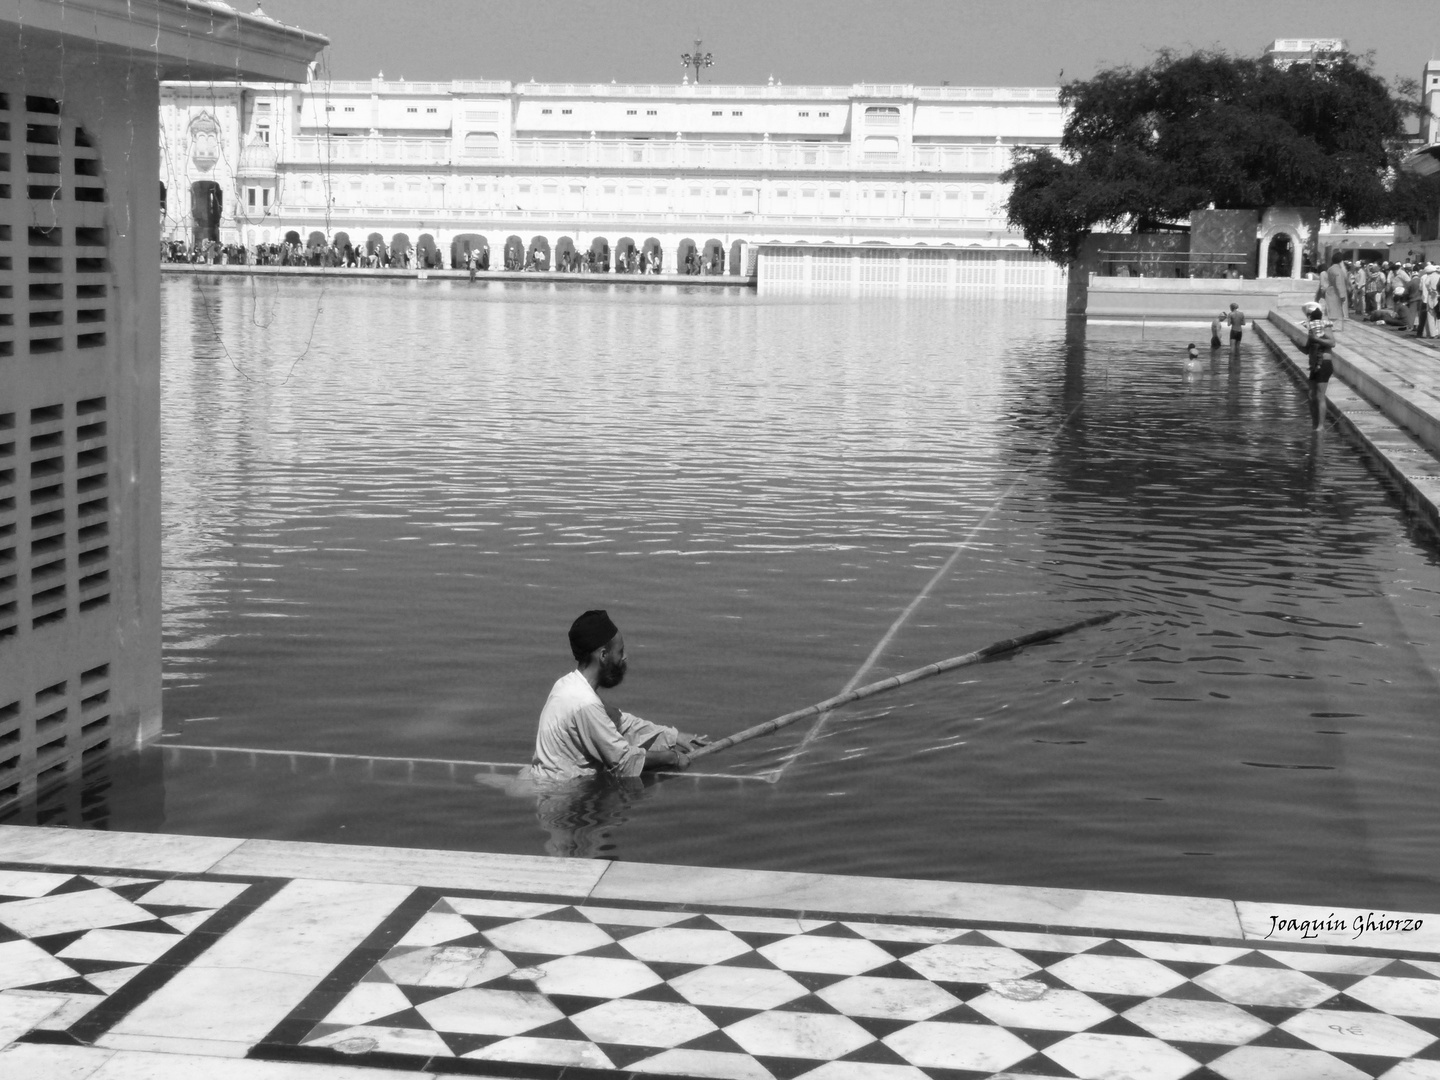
(579, 735)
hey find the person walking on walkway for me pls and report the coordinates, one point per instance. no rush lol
(1428, 325)
(1319, 341)
(1335, 289)
(1237, 330)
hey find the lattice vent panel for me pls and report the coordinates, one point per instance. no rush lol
(52, 730)
(56, 293)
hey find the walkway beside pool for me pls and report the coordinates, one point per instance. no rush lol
(128, 956)
(1386, 394)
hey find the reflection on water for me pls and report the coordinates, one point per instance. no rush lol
(376, 538)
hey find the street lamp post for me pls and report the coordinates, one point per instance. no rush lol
(697, 60)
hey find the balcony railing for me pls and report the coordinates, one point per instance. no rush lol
(653, 153)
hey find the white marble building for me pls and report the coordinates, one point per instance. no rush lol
(547, 165)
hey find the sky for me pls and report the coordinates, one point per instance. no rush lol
(922, 42)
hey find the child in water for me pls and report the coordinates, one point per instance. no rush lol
(1192, 353)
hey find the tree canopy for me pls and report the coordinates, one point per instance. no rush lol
(1149, 145)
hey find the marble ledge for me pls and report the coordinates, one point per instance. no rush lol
(959, 901)
(162, 852)
(1363, 928)
(570, 878)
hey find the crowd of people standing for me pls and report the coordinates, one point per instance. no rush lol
(372, 254)
(1403, 294)
(376, 254)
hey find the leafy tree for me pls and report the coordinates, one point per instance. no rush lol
(1149, 145)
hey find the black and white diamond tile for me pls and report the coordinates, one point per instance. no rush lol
(81, 938)
(488, 986)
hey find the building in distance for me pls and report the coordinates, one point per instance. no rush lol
(719, 168)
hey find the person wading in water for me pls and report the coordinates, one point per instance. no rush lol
(579, 735)
(1318, 344)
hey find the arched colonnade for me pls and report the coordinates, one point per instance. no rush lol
(622, 253)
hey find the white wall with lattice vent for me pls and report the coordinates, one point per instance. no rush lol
(57, 374)
(80, 359)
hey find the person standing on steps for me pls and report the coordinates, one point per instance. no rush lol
(1335, 289)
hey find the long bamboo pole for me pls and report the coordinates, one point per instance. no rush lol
(1007, 645)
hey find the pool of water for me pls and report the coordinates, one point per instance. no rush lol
(385, 501)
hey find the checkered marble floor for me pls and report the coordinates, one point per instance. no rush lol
(93, 943)
(161, 958)
(505, 987)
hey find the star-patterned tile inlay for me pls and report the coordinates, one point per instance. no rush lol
(81, 937)
(487, 986)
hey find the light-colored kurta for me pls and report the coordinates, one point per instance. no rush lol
(576, 738)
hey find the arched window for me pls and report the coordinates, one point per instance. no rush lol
(482, 144)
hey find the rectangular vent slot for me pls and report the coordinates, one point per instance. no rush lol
(94, 674)
(89, 194)
(46, 105)
(86, 406)
(90, 431)
(45, 236)
(46, 345)
(42, 192)
(46, 318)
(50, 693)
(42, 163)
(87, 167)
(90, 315)
(87, 264)
(51, 721)
(90, 341)
(46, 265)
(46, 442)
(90, 292)
(47, 290)
(99, 724)
(47, 570)
(95, 699)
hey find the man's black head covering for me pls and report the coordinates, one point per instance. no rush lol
(589, 632)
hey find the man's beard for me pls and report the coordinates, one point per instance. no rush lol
(612, 674)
